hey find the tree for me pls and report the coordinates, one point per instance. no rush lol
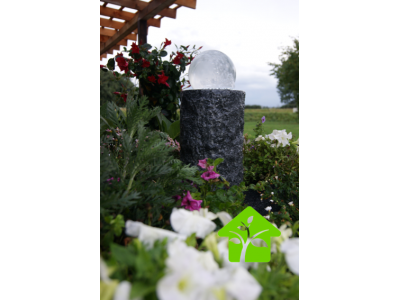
(287, 73)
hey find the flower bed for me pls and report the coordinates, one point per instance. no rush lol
(159, 218)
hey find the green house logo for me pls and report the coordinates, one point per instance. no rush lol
(249, 237)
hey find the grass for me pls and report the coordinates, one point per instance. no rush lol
(275, 118)
(268, 127)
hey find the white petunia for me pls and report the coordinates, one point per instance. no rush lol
(148, 235)
(186, 222)
(242, 285)
(224, 217)
(123, 290)
(104, 271)
(291, 249)
(268, 208)
(203, 212)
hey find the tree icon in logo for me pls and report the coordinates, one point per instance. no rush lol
(249, 237)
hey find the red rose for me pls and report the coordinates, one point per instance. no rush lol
(122, 63)
(145, 64)
(151, 78)
(135, 48)
(136, 60)
(162, 79)
(166, 43)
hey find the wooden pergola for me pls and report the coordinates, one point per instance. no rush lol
(131, 20)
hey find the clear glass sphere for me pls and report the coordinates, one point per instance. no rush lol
(212, 69)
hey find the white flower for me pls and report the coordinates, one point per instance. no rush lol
(104, 271)
(224, 217)
(267, 217)
(186, 222)
(291, 249)
(148, 235)
(276, 177)
(272, 193)
(286, 232)
(123, 290)
(203, 212)
(195, 275)
(268, 208)
(291, 203)
(271, 200)
(241, 285)
(263, 138)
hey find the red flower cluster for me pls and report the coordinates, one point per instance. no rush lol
(151, 79)
(145, 64)
(162, 79)
(135, 48)
(177, 59)
(122, 95)
(122, 63)
(102, 66)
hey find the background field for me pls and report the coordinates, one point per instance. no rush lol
(275, 118)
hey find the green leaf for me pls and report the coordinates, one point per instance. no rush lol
(191, 240)
(163, 53)
(122, 255)
(218, 161)
(146, 46)
(111, 64)
(141, 289)
(174, 129)
(118, 223)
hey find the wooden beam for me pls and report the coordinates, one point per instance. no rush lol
(111, 33)
(119, 25)
(124, 15)
(187, 3)
(150, 11)
(104, 39)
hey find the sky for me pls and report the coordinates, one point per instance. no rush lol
(252, 33)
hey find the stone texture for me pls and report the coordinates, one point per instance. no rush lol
(212, 123)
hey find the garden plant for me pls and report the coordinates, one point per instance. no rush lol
(159, 217)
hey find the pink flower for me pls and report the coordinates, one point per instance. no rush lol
(210, 174)
(189, 203)
(202, 163)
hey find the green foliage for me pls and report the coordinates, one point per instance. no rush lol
(274, 172)
(110, 84)
(138, 172)
(140, 265)
(277, 282)
(287, 73)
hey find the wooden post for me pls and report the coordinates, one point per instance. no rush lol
(142, 39)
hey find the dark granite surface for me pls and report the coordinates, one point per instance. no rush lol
(212, 123)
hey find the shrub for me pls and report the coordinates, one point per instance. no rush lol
(271, 166)
(138, 172)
